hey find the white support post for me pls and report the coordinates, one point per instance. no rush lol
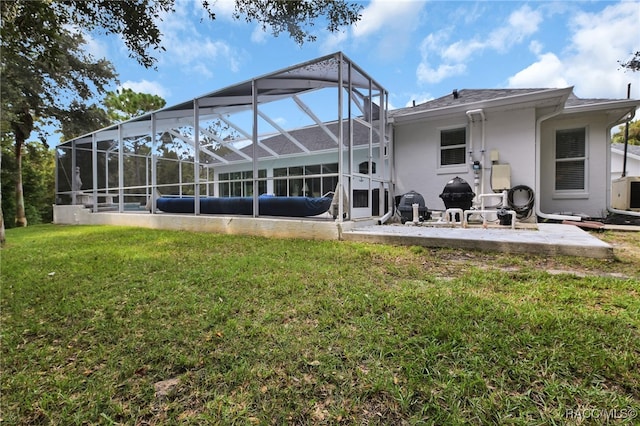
(381, 163)
(74, 182)
(254, 146)
(120, 170)
(154, 163)
(55, 176)
(340, 188)
(180, 177)
(196, 157)
(350, 129)
(369, 106)
(94, 166)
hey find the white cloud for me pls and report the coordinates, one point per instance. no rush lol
(221, 8)
(94, 47)
(520, 24)
(536, 47)
(523, 22)
(429, 74)
(441, 60)
(547, 72)
(145, 86)
(590, 62)
(386, 23)
(187, 46)
(334, 42)
(259, 35)
(461, 50)
(380, 14)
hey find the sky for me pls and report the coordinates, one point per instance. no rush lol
(418, 50)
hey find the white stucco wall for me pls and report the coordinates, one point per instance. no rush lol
(511, 133)
(592, 201)
(633, 164)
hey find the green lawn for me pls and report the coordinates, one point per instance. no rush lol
(244, 330)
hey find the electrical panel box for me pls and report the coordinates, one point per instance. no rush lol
(625, 193)
(500, 177)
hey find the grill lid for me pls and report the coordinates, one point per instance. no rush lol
(457, 189)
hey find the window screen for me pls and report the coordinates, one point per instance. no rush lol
(453, 145)
(571, 159)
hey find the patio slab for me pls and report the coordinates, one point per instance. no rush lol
(547, 239)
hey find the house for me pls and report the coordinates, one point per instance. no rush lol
(617, 160)
(548, 141)
(546, 150)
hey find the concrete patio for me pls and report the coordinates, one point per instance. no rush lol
(543, 238)
(547, 239)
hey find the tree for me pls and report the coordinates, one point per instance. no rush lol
(38, 177)
(47, 67)
(79, 119)
(296, 17)
(632, 64)
(125, 104)
(634, 133)
(52, 77)
(136, 21)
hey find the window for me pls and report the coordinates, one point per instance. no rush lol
(453, 147)
(312, 181)
(571, 159)
(363, 167)
(240, 184)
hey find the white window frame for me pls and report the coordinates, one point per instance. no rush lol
(572, 193)
(452, 168)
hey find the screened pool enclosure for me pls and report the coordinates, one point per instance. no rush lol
(316, 130)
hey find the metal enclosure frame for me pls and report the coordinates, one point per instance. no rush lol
(359, 101)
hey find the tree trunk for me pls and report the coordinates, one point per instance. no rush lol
(21, 217)
(2, 233)
(3, 237)
(22, 127)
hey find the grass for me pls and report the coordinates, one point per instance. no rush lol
(109, 325)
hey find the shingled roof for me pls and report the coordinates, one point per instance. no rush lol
(574, 101)
(465, 96)
(314, 138)
(631, 149)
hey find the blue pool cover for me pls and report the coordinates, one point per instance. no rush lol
(269, 205)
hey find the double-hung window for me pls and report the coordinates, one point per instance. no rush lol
(571, 160)
(453, 147)
(240, 184)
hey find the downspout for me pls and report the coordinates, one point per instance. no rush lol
(626, 136)
(608, 195)
(390, 147)
(537, 171)
(478, 180)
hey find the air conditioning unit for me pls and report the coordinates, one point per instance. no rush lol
(625, 193)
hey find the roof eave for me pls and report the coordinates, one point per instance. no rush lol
(625, 106)
(560, 94)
